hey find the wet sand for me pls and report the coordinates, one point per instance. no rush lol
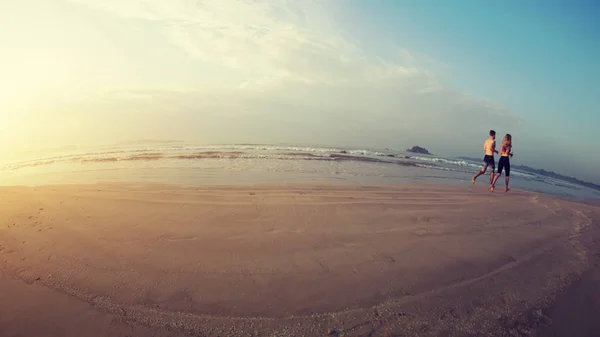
(159, 260)
(576, 310)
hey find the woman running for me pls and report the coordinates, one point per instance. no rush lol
(504, 162)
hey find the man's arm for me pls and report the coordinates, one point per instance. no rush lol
(494, 147)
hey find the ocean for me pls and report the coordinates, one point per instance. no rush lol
(189, 165)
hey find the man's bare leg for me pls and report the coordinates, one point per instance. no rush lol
(506, 180)
(477, 175)
(482, 171)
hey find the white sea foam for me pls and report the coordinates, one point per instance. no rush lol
(248, 148)
(444, 161)
(442, 168)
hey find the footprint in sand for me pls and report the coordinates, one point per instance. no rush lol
(175, 238)
(383, 258)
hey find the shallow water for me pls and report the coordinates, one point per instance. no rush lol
(258, 164)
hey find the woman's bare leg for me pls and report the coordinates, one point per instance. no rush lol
(506, 180)
(493, 184)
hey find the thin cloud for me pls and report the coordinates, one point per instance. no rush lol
(293, 54)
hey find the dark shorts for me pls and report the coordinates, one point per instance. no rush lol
(504, 163)
(488, 161)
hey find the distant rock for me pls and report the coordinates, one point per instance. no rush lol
(418, 149)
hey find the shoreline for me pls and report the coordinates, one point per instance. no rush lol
(271, 164)
(413, 259)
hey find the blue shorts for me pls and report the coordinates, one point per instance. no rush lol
(488, 161)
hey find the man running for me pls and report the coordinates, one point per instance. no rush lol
(490, 148)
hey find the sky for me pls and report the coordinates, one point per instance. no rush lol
(375, 74)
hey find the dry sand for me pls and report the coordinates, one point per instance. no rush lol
(157, 260)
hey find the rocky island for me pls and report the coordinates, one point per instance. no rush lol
(418, 149)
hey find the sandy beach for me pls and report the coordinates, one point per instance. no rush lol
(413, 260)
